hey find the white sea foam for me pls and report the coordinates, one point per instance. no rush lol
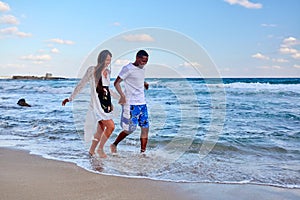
(259, 143)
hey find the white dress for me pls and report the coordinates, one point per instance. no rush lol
(95, 112)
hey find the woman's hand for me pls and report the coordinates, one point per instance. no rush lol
(64, 102)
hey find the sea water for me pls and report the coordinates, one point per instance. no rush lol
(241, 130)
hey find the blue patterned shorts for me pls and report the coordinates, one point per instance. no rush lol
(133, 115)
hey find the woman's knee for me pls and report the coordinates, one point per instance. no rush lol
(109, 125)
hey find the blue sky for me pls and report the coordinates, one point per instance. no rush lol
(244, 38)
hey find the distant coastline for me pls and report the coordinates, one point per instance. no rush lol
(36, 78)
(48, 76)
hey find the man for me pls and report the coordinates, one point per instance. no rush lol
(134, 108)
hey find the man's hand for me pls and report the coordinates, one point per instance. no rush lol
(146, 85)
(122, 100)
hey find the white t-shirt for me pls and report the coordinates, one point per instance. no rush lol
(133, 78)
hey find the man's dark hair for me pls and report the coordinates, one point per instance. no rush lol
(142, 53)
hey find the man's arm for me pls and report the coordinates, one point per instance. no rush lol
(119, 90)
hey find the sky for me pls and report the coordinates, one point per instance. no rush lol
(243, 38)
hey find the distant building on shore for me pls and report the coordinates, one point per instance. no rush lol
(48, 75)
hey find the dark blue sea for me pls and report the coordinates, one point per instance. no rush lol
(234, 130)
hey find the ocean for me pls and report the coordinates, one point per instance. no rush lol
(239, 130)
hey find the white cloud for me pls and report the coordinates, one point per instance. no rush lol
(190, 64)
(270, 67)
(245, 3)
(121, 62)
(290, 41)
(297, 66)
(276, 67)
(260, 56)
(288, 47)
(296, 55)
(37, 59)
(138, 38)
(37, 62)
(9, 19)
(54, 50)
(117, 24)
(41, 50)
(286, 50)
(269, 25)
(23, 35)
(227, 69)
(280, 60)
(13, 65)
(60, 41)
(14, 31)
(9, 30)
(4, 7)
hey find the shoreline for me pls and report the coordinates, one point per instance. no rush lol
(28, 176)
(149, 178)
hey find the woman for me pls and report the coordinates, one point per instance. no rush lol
(99, 112)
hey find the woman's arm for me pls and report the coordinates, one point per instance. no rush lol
(84, 80)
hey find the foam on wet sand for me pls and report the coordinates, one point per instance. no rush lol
(25, 176)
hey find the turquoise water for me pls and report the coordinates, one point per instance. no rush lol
(240, 131)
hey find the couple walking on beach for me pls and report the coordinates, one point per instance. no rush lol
(132, 100)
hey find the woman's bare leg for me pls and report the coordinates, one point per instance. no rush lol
(109, 128)
(97, 137)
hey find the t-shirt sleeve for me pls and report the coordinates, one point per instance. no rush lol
(124, 72)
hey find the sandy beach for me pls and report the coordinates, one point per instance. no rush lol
(25, 176)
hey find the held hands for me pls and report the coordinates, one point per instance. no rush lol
(64, 102)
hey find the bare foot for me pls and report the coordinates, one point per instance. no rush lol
(113, 148)
(91, 154)
(101, 153)
(143, 155)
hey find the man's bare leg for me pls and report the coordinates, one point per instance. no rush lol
(121, 136)
(144, 139)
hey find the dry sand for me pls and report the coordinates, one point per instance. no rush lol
(24, 176)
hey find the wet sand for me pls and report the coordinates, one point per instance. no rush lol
(25, 176)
